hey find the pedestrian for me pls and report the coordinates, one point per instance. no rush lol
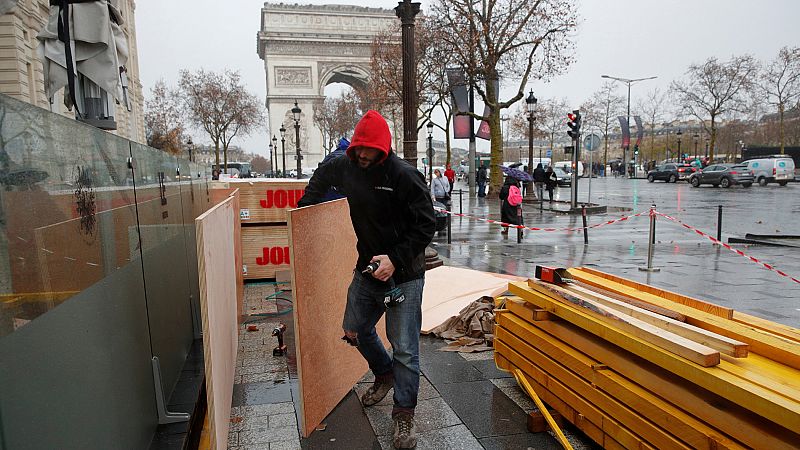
(538, 181)
(482, 178)
(550, 182)
(341, 147)
(440, 189)
(509, 203)
(393, 219)
(451, 178)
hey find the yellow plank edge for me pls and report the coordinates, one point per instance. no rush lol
(720, 413)
(767, 325)
(761, 401)
(692, 431)
(762, 342)
(542, 409)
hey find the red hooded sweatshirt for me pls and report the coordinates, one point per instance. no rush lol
(371, 131)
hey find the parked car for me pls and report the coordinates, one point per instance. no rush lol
(562, 178)
(772, 169)
(670, 172)
(725, 175)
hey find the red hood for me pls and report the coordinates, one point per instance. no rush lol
(371, 131)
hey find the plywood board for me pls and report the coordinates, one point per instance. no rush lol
(323, 255)
(216, 264)
(265, 200)
(265, 250)
(449, 289)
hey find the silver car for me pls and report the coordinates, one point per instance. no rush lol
(725, 175)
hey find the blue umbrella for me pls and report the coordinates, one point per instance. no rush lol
(516, 173)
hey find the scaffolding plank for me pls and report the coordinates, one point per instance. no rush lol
(764, 402)
(718, 411)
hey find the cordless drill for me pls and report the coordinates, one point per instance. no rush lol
(394, 296)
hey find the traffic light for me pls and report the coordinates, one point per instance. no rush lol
(574, 124)
(636, 150)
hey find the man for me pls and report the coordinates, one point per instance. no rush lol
(450, 174)
(393, 219)
(482, 177)
(538, 180)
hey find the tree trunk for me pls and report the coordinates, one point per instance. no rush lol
(225, 155)
(713, 137)
(496, 176)
(447, 137)
(780, 125)
(216, 154)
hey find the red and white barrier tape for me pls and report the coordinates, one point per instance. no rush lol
(523, 227)
(737, 251)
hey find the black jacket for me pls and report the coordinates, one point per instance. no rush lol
(508, 213)
(390, 207)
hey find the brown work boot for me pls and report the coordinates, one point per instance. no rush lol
(405, 432)
(378, 390)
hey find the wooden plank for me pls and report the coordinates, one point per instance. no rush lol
(711, 308)
(265, 250)
(604, 433)
(323, 255)
(537, 423)
(265, 200)
(762, 342)
(723, 344)
(633, 302)
(216, 266)
(666, 340)
(734, 420)
(767, 325)
(523, 383)
(778, 408)
(608, 424)
(690, 430)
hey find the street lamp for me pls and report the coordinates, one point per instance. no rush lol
(430, 151)
(629, 82)
(679, 134)
(283, 151)
(530, 102)
(696, 137)
(190, 147)
(271, 150)
(275, 158)
(296, 113)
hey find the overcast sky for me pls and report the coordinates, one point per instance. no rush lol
(623, 38)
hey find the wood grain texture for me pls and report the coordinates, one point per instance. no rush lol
(323, 255)
(216, 264)
(265, 200)
(264, 250)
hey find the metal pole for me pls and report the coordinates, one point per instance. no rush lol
(585, 229)
(449, 228)
(651, 243)
(297, 142)
(626, 147)
(283, 155)
(530, 150)
(576, 141)
(719, 223)
(591, 168)
(519, 220)
(406, 11)
(473, 167)
(430, 159)
(460, 201)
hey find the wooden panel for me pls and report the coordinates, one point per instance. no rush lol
(265, 250)
(265, 200)
(216, 266)
(323, 255)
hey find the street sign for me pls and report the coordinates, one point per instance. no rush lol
(548, 153)
(569, 149)
(591, 142)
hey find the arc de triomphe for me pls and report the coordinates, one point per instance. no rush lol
(305, 48)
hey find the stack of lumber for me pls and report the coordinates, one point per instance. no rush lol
(264, 203)
(638, 367)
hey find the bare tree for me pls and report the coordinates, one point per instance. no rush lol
(653, 108)
(520, 39)
(715, 88)
(337, 116)
(260, 164)
(219, 105)
(602, 109)
(163, 119)
(551, 119)
(780, 84)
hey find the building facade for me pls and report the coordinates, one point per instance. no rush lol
(22, 73)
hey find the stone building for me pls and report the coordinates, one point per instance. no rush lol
(22, 74)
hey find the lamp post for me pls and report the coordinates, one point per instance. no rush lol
(679, 134)
(296, 113)
(406, 11)
(530, 103)
(695, 137)
(430, 152)
(275, 159)
(629, 82)
(271, 150)
(190, 147)
(283, 151)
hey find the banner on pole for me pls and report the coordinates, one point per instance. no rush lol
(626, 131)
(460, 97)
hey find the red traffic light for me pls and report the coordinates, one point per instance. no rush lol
(571, 117)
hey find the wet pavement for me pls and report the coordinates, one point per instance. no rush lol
(465, 402)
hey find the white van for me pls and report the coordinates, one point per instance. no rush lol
(772, 169)
(566, 166)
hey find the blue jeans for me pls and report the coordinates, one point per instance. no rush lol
(481, 187)
(403, 322)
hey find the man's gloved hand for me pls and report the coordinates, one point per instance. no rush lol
(386, 268)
